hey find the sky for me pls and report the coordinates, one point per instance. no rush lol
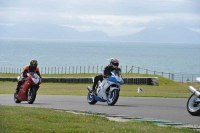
(113, 17)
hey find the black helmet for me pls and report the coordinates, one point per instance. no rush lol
(33, 64)
(114, 62)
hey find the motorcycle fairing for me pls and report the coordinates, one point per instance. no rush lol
(116, 77)
(35, 78)
(104, 88)
(36, 81)
(112, 79)
(101, 90)
(23, 92)
(99, 99)
(22, 95)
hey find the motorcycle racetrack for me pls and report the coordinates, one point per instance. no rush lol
(171, 111)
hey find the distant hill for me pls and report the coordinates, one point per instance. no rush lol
(176, 35)
(166, 35)
(50, 32)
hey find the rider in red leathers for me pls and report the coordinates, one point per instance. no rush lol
(32, 67)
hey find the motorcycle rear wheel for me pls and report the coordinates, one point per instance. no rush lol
(192, 107)
(31, 94)
(91, 99)
(113, 97)
(15, 99)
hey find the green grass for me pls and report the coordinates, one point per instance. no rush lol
(170, 91)
(23, 119)
(166, 89)
(37, 120)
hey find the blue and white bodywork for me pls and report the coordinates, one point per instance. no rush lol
(107, 90)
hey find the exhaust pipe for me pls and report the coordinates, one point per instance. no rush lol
(193, 90)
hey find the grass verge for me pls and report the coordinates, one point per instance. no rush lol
(34, 120)
(23, 119)
(165, 91)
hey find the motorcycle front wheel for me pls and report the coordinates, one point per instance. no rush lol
(31, 94)
(193, 107)
(113, 97)
(91, 99)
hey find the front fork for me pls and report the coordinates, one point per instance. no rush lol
(193, 90)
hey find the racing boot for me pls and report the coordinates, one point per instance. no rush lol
(17, 89)
(93, 91)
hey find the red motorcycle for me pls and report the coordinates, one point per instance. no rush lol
(28, 89)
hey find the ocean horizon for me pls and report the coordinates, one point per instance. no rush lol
(163, 57)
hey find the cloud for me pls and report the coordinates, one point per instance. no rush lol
(111, 24)
(123, 25)
(6, 24)
(114, 17)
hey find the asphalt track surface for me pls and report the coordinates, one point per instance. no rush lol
(169, 109)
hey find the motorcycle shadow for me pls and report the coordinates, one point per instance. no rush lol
(35, 103)
(117, 105)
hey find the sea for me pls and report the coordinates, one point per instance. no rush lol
(164, 57)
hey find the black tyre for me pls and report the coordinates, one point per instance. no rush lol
(192, 106)
(15, 98)
(91, 99)
(113, 97)
(31, 94)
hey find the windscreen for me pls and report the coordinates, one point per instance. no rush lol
(33, 74)
(117, 72)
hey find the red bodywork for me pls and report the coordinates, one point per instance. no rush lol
(22, 95)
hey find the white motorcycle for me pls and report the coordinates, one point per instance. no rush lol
(193, 104)
(107, 90)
